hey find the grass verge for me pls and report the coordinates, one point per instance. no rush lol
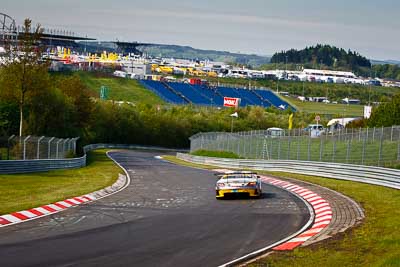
(331, 109)
(216, 154)
(25, 191)
(376, 242)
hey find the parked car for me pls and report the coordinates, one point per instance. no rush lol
(315, 130)
(275, 132)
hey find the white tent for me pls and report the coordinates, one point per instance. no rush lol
(341, 121)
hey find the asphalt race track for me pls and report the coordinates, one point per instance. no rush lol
(168, 216)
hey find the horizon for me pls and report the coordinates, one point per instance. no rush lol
(260, 28)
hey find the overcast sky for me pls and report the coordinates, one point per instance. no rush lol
(253, 26)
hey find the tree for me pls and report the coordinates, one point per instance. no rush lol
(386, 114)
(24, 70)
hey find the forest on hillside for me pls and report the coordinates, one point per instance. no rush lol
(333, 58)
(323, 55)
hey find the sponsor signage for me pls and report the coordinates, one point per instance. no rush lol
(367, 112)
(231, 102)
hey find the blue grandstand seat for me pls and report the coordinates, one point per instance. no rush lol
(163, 92)
(274, 99)
(190, 93)
(205, 95)
(216, 100)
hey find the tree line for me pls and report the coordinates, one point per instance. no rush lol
(321, 56)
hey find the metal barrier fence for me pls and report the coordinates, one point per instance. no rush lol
(34, 147)
(364, 146)
(39, 165)
(365, 174)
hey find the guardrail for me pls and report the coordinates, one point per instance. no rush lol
(365, 174)
(25, 166)
(40, 165)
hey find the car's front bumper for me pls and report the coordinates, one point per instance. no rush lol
(252, 192)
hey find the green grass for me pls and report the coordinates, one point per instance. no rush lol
(25, 191)
(215, 154)
(376, 242)
(330, 109)
(120, 89)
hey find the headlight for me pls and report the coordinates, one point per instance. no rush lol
(220, 184)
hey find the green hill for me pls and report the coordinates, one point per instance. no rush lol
(323, 56)
(120, 89)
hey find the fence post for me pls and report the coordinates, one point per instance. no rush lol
(298, 148)
(289, 142)
(279, 148)
(348, 151)
(380, 148)
(373, 135)
(391, 134)
(309, 149)
(398, 151)
(8, 146)
(264, 148)
(352, 131)
(38, 147)
(363, 151)
(238, 147)
(201, 141)
(64, 148)
(49, 148)
(24, 153)
(333, 150)
(58, 142)
(359, 134)
(321, 149)
(244, 147)
(271, 149)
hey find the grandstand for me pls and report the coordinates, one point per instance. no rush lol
(51, 38)
(183, 93)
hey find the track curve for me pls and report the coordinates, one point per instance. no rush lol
(167, 216)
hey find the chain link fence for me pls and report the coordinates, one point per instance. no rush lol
(364, 146)
(35, 147)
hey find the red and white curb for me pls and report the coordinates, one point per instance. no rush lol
(321, 207)
(35, 213)
(322, 210)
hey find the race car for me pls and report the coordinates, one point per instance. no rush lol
(238, 182)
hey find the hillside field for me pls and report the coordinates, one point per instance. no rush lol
(120, 89)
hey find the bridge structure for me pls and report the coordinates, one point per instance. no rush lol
(10, 31)
(7, 28)
(130, 47)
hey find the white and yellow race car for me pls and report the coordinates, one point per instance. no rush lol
(238, 182)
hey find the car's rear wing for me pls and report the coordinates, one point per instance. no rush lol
(235, 172)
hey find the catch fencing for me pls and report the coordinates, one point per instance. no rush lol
(35, 147)
(363, 146)
(39, 165)
(365, 174)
